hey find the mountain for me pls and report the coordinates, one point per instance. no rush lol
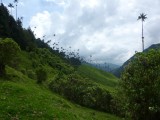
(108, 67)
(119, 70)
(154, 46)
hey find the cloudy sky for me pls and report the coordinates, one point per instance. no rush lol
(106, 29)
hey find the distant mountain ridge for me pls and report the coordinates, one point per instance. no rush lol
(119, 70)
(108, 67)
(153, 46)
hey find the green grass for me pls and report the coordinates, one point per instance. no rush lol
(106, 79)
(21, 98)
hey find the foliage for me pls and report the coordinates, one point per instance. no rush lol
(31, 74)
(141, 85)
(4, 26)
(21, 98)
(11, 28)
(83, 92)
(25, 38)
(8, 52)
(75, 61)
(41, 75)
(142, 17)
(118, 103)
(118, 71)
(37, 56)
(42, 56)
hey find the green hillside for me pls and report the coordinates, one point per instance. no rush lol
(106, 79)
(22, 98)
(38, 81)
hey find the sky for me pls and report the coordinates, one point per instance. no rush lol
(107, 30)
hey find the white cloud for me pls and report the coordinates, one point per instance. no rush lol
(107, 29)
(89, 3)
(61, 3)
(42, 22)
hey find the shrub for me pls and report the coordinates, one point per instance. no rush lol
(8, 53)
(83, 92)
(141, 86)
(41, 75)
(31, 74)
(23, 71)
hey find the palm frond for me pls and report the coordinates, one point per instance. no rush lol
(15, 1)
(142, 17)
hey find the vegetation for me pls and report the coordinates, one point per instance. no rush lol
(11, 6)
(8, 53)
(119, 71)
(82, 91)
(22, 98)
(25, 61)
(33, 61)
(52, 69)
(105, 79)
(41, 75)
(140, 85)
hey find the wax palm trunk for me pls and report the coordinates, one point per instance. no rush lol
(142, 38)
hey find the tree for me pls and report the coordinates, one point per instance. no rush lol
(11, 6)
(19, 23)
(142, 17)
(16, 2)
(21, 19)
(8, 52)
(4, 15)
(141, 85)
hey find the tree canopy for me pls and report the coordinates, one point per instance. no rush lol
(142, 17)
(8, 52)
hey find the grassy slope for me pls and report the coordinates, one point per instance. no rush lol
(22, 98)
(107, 80)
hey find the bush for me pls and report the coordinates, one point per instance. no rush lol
(141, 86)
(41, 75)
(23, 71)
(31, 74)
(8, 53)
(83, 92)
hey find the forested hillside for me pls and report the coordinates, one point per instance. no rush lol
(33, 65)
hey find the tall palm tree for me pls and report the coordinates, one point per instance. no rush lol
(90, 58)
(11, 6)
(16, 2)
(142, 17)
